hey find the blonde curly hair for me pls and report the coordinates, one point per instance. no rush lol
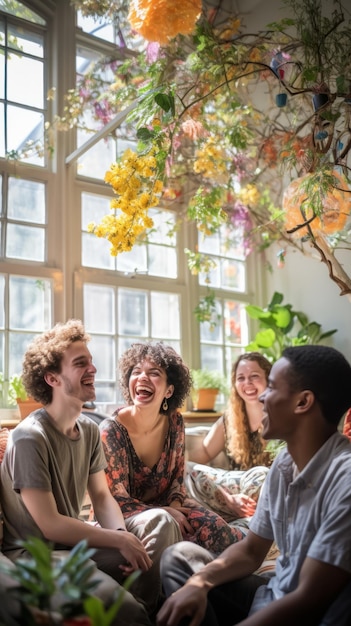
(245, 448)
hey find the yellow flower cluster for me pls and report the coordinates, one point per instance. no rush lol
(162, 20)
(211, 162)
(134, 181)
(249, 195)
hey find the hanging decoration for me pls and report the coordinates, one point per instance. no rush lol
(302, 217)
(162, 20)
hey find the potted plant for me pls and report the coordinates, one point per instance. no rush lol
(280, 326)
(17, 395)
(206, 385)
(8, 406)
(60, 591)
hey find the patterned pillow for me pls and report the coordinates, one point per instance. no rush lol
(4, 435)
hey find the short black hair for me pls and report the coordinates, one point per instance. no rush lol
(325, 372)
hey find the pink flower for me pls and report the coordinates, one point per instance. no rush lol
(152, 51)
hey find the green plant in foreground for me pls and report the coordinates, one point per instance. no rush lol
(41, 577)
(280, 327)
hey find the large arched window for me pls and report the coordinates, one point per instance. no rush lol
(51, 268)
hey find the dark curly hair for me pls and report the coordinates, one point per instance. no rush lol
(165, 357)
(45, 354)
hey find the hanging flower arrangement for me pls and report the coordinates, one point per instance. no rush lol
(301, 207)
(135, 183)
(162, 20)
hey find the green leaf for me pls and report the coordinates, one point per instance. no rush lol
(165, 101)
(277, 298)
(282, 317)
(265, 338)
(144, 134)
(255, 312)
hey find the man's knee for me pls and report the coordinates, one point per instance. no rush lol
(187, 554)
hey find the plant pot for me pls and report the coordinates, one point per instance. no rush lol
(281, 99)
(26, 407)
(204, 399)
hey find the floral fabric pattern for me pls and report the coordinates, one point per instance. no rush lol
(136, 487)
(206, 485)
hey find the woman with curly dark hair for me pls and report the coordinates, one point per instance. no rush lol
(144, 444)
(233, 493)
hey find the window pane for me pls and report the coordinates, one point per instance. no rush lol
(133, 262)
(211, 358)
(26, 201)
(227, 251)
(94, 208)
(132, 313)
(18, 9)
(164, 227)
(162, 261)
(213, 278)
(116, 30)
(2, 131)
(2, 357)
(102, 351)
(27, 42)
(2, 64)
(18, 344)
(234, 318)
(231, 355)
(233, 275)
(144, 258)
(97, 160)
(213, 332)
(165, 315)
(25, 82)
(2, 301)
(24, 242)
(30, 303)
(101, 27)
(23, 137)
(99, 308)
(95, 252)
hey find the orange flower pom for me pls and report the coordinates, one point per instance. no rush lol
(336, 207)
(161, 20)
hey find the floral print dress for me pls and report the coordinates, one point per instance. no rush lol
(136, 487)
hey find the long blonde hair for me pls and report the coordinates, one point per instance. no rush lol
(246, 449)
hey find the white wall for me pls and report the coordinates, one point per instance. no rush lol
(305, 284)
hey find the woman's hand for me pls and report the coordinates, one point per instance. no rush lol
(179, 514)
(239, 504)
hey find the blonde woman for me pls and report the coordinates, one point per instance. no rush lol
(233, 493)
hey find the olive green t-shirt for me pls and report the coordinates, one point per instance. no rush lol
(38, 456)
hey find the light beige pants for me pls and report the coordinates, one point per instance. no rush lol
(157, 530)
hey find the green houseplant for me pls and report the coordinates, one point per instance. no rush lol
(281, 326)
(206, 385)
(17, 394)
(41, 579)
(10, 390)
